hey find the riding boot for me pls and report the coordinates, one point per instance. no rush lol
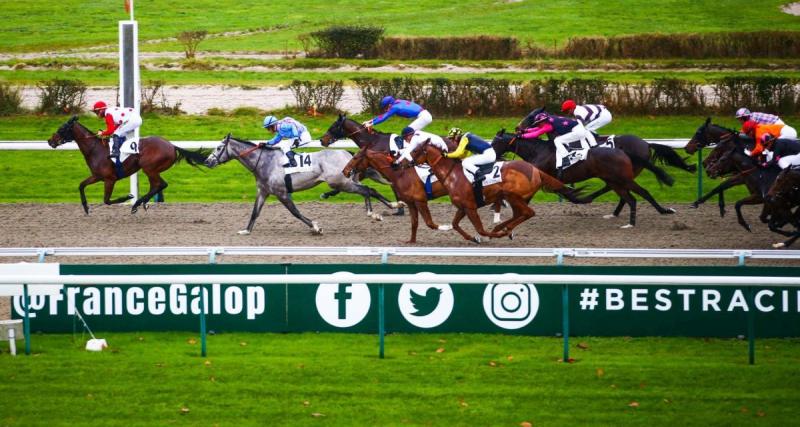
(290, 162)
(117, 143)
(560, 173)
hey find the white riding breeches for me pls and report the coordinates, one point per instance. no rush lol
(129, 126)
(788, 161)
(472, 162)
(423, 119)
(788, 132)
(305, 137)
(603, 119)
(578, 133)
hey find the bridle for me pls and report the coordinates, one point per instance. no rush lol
(226, 144)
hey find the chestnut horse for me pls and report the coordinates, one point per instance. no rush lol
(521, 181)
(406, 183)
(155, 155)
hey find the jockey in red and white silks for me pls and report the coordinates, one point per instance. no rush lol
(120, 122)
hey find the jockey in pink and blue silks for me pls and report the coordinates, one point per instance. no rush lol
(561, 129)
(402, 108)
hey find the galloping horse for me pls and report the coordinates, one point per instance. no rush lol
(521, 180)
(156, 155)
(783, 196)
(635, 147)
(405, 181)
(728, 157)
(611, 165)
(265, 164)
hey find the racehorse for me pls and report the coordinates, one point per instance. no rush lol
(782, 197)
(611, 165)
(728, 156)
(405, 181)
(265, 164)
(156, 155)
(520, 181)
(635, 147)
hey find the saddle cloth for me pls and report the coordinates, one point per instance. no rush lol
(127, 149)
(393, 148)
(423, 172)
(605, 141)
(305, 163)
(492, 177)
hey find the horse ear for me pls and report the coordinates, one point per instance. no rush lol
(708, 120)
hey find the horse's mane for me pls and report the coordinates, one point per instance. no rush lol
(243, 141)
(373, 129)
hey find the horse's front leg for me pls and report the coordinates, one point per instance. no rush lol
(286, 200)
(109, 189)
(753, 199)
(81, 188)
(456, 220)
(259, 203)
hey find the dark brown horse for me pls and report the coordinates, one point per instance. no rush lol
(611, 165)
(783, 201)
(728, 157)
(344, 128)
(521, 181)
(155, 155)
(405, 181)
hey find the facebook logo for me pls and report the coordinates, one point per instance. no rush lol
(343, 304)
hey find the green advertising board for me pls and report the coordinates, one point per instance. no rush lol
(515, 308)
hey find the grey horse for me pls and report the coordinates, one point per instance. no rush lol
(265, 164)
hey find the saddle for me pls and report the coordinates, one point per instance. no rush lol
(477, 185)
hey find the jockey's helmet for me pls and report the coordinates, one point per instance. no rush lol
(454, 132)
(99, 105)
(540, 118)
(568, 105)
(269, 121)
(386, 101)
(408, 130)
(742, 112)
(749, 126)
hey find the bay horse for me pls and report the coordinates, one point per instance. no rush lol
(156, 155)
(610, 165)
(727, 157)
(521, 181)
(405, 181)
(265, 163)
(635, 147)
(783, 200)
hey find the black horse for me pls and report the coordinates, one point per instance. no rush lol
(783, 201)
(728, 157)
(611, 165)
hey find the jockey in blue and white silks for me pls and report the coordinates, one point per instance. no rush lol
(402, 108)
(482, 151)
(288, 133)
(413, 138)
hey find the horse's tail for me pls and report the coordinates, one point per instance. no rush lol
(195, 158)
(556, 186)
(667, 155)
(661, 175)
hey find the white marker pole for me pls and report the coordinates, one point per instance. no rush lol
(129, 91)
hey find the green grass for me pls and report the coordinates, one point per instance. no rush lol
(110, 77)
(279, 379)
(31, 26)
(53, 176)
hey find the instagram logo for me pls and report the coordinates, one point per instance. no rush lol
(510, 305)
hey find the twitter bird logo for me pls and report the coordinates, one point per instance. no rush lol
(425, 304)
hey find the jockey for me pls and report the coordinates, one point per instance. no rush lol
(758, 132)
(591, 116)
(402, 108)
(288, 134)
(414, 138)
(563, 129)
(785, 152)
(744, 115)
(120, 122)
(483, 153)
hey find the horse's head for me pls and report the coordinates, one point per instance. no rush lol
(426, 152)
(64, 134)
(358, 163)
(527, 121)
(502, 142)
(784, 193)
(335, 132)
(700, 138)
(220, 154)
(721, 160)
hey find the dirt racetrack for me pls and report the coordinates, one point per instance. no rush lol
(555, 225)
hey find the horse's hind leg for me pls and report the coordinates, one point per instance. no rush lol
(617, 210)
(157, 184)
(422, 207)
(456, 220)
(287, 201)
(752, 199)
(329, 194)
(631, 201)
(636, 188)
(364, 191)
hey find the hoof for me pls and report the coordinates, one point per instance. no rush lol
(444, 228)
(778, 245)
(627, 226)
(134, 210)
(511, 236)
(243, 232)
(694, 206)
(477, 239)
(496, 219)
(323, 196)
(130, 196)
(609, 216)
(316, 229)
(668, 211)
(400, 212)
(377, 217)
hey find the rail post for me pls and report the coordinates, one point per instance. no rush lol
(751, 327)
(381, 312)
(203, 334)
(26, 327)
(699, 173)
